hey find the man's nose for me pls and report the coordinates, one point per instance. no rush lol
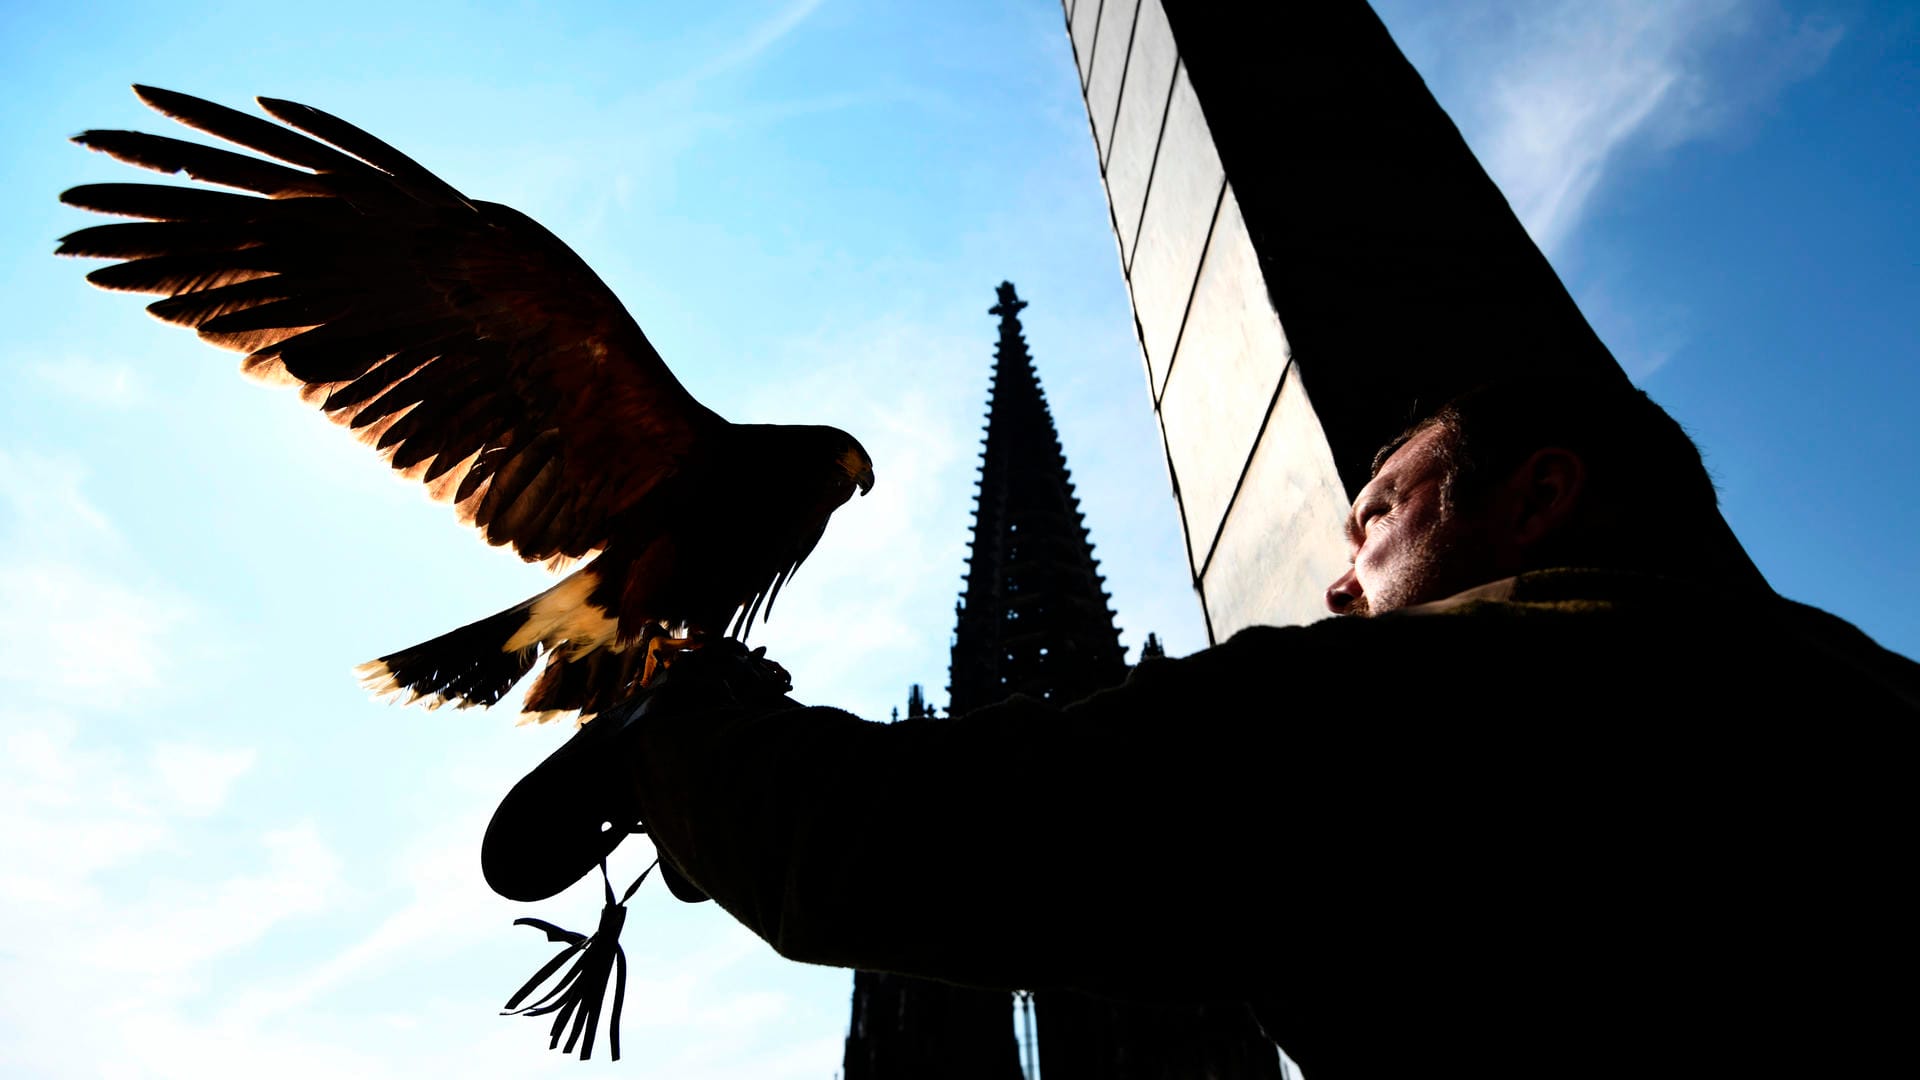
(1344, 593)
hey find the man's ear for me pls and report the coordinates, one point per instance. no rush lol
(1549, 488)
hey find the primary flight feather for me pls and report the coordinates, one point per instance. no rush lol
(481, 356)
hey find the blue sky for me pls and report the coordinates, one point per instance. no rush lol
(218, 858)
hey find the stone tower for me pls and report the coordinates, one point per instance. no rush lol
(1033, 618)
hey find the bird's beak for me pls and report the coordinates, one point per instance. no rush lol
(865, 480)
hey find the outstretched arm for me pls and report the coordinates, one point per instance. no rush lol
(1124, 844)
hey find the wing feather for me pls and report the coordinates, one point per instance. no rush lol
(149, 238)
(467, 435)
(158, 202)
(474, 484)
(344, 400)
(437, 375)
(205, 163)
(195, 308)
(170, 275)
(347, 348)
(247, 130)
(312, 309)
(404, 171)
(428, 425)
(515, 475)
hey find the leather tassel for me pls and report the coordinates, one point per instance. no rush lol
(580, 994)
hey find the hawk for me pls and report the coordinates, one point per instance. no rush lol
(482, 357)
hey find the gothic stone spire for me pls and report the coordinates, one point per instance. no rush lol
(1033, 617)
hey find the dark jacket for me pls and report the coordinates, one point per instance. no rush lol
(1571, 823)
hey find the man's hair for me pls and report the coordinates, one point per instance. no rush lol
(1641, 466)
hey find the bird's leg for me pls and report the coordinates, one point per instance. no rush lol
(671, 641)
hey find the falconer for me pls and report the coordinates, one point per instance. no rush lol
(1580, 795)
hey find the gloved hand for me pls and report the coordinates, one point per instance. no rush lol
(719, 673)
(716, 675)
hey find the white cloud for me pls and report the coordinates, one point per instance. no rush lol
(197, 778)
(41, 497)
(1644, 333)
(73, 631)
(1557, 97)
(445, 909)
(116, 908)
(697, 981)
(67, 812)
(69, 635)
(757, 40)
(182, 925)
(90, 382)
(74, 804)
(153, 1042)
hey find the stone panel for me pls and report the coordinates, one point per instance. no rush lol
(1136, 128)
(1224, 373)
(1283, 542)
(1084, 22)
(1109, 64)
(1181, 200)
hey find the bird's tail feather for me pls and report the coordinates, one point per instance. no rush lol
(469, 666)
(587, 683)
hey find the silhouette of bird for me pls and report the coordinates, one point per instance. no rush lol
(479, 355)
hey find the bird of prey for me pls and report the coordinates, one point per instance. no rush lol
(483, 358)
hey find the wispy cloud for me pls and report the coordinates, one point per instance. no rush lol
(1643, 332)
(72, 632)
(40, 495)
(1557, 98)
(183, 925)
(588, 184)
(89, 382)
(80, 817)
(757, 40)
(68, 635)
(445, 910)
(198, 778)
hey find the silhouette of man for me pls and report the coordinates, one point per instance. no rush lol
(1581, 797)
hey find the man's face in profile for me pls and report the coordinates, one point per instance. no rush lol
(1405, 547)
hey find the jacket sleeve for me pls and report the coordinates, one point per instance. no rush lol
(1125, 844)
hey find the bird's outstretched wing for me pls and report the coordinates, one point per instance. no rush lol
(476, 351)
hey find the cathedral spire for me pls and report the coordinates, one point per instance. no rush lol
(1033, 616)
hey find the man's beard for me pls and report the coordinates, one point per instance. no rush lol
(1439, 566)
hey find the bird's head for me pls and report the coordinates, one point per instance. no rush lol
(854, 459)
(802, 453)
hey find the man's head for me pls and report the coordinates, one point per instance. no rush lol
(1523, 475)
